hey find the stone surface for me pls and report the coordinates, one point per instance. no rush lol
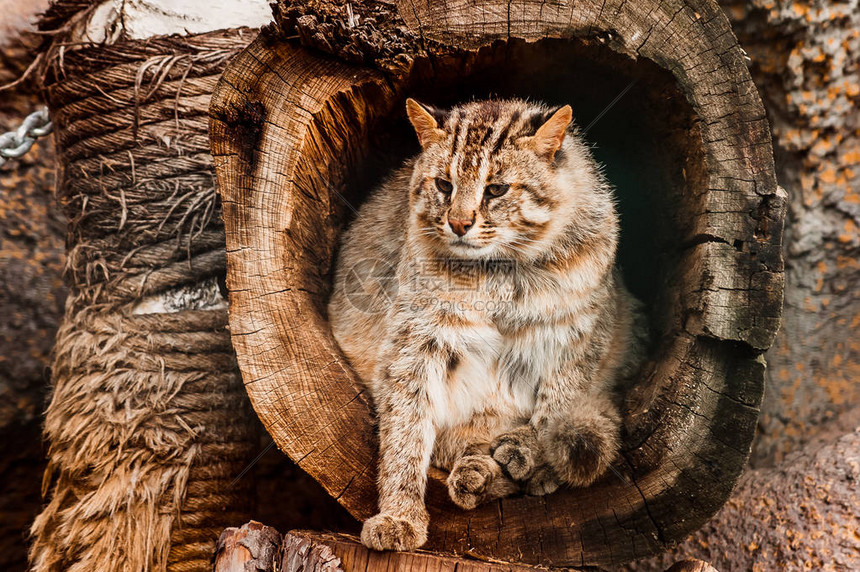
(801, 515)
(31, 290)
(805, 61)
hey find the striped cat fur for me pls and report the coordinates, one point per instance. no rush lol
(498, 325)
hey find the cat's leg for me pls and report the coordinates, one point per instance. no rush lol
(406, 437)
(542, 481)
(574, 448)
(477, 478)
(406, 440)
(576, 422)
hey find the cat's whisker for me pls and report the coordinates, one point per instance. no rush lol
(517, 248)
(525, 240)
(432, 232)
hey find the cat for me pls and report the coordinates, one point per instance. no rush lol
(476, 295)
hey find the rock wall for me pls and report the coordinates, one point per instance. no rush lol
(805, 60)
(31, 290)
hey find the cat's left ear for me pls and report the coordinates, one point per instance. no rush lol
(424, 120)
(549, 137)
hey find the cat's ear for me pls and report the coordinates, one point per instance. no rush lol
(549, 137)
(423, 119)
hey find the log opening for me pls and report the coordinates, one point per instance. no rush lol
(641, 127)
(297, 134)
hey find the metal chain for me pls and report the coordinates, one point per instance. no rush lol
(15, 143)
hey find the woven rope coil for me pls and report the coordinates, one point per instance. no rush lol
(148, 424)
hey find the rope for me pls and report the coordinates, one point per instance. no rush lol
(148, 424)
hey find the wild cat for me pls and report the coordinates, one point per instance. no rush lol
(500, 323)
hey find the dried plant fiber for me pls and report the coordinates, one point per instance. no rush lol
(148, 424)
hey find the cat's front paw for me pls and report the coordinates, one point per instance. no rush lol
(580, 452)
(387, 532)
(517, 452)
(470, 479)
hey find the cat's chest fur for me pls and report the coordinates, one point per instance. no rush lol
(500, 359)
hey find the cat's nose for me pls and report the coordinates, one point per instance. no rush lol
(461, 226)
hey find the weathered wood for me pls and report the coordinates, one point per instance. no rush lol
(325, 552)
(804, 58)
(290, 130)
(253, 546)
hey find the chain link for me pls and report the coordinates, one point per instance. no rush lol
(15, 143)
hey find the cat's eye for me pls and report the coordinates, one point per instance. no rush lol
(444, 185)
(496, 189)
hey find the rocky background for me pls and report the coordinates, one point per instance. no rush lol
(795, 508)
(805, 60)
(31, 290)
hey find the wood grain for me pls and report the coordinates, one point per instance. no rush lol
(290, 127)
(325, 552)
(254, 546)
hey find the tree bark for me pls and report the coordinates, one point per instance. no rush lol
(804, 60)
(691, 566)
(251, 547)
(800, 515)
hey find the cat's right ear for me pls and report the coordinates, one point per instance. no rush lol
(424, 122)
(549, 137)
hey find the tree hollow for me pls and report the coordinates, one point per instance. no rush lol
(309, 117)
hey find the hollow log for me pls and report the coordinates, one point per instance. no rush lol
(310, 114)
(804, 59)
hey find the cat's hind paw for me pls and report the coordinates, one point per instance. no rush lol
(517, 452)
(580, 452)
(542, 482)
(386, 532)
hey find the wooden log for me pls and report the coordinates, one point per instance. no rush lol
(812, 99)
(291, 130)
(253, 546)
(325, 552)
(260, 548)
